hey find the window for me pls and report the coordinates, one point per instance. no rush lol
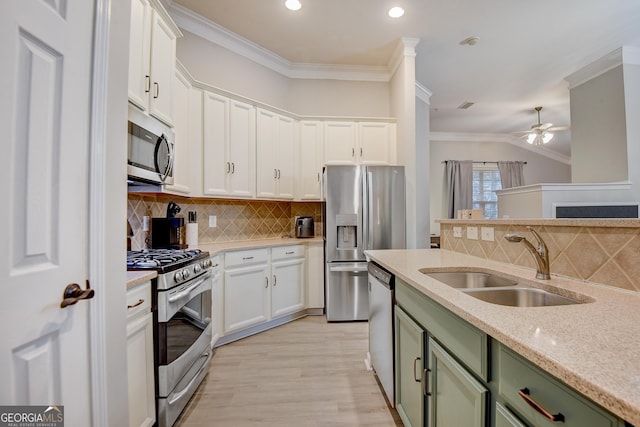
(486, 180)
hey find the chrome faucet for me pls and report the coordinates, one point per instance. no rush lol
(540, 254)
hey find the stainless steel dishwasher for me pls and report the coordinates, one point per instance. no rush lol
(381, 354)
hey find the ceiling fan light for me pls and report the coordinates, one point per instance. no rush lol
(293, 4)
(531, 138)
(546, 137)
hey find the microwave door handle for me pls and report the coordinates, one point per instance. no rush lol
(168, 167)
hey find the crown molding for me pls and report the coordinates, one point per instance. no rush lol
(219, 35)
(406, 47)
(423, 94)
(498, 137)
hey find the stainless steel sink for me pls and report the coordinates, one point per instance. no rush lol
(469, 279)
(521, 297)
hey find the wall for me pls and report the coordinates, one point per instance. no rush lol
(604, 252)
(236, 219)
(539, 169)
(598, 129)
(219, 67)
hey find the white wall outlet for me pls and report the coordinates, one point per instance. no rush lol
(145, 223)
(487, 234)
(472, 233)
(213, 221)
(457, 232)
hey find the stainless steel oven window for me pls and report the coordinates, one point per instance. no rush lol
(184, 328)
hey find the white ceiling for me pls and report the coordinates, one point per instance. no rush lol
(525, 51)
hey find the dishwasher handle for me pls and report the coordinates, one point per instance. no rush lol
(352, 268)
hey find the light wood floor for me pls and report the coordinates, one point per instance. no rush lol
(305, 373)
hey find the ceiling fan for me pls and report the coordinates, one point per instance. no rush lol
(541, 133)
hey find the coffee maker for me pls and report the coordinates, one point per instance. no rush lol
(167, 233)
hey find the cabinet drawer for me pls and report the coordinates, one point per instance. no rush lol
(139, 300)
(287, 252)
(469, 344)
(516, 374)
(248, 257)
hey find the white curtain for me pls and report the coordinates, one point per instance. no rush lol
(459, 185)
(511, 174)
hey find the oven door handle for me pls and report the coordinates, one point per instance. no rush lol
(185, 390)
(186, 292)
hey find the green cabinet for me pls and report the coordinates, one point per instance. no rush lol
(410, 345)
(537, 397)
(505, 418)
(456, 397)
(450, 373)
(428, 375)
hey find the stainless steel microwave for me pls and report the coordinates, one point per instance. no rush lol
(150, 149)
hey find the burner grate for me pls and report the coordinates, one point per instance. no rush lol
(155, 258)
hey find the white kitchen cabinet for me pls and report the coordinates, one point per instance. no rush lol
(310, 161)
(352, 143)
(140, 376)
(261, 285)
(152, 57)
(339, 143)
(315, 275)
(184, 139)
(229, 147)
(246, 289)
(275, 148)
(287, 280)
(376, 143)
(217, 292)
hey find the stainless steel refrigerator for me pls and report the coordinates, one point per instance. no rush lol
(364, 209)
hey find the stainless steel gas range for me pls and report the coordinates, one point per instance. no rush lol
(181, 304)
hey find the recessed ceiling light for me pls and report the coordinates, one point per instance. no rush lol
(293, 4)
(396, 12)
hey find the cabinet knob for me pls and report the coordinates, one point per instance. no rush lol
(266, 282)
(147, 86)
(157, 88)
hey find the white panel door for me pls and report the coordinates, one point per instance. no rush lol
(45, 114)
(216, 164)
(340, 143)
(242, 148)
(266, 154)
(183, 135)
(375, 143)
(310, 167)
(246, 297)
(163, 59)
(286, 154)
(287, 290)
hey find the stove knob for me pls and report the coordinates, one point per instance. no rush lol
(178, 277)
(197, 269)
(186, 274)
(209, 263)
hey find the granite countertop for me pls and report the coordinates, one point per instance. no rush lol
(216, 248)
(136, 277)
(593, 347)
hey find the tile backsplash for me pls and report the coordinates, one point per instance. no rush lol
(606, 255)
(236, 219)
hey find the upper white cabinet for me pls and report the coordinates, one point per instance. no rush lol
(229, 147)
(275, 148)
(152, 57)
(185, 135)
(310, 161)
(352, 143)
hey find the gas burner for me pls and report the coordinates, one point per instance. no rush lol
(162, 260)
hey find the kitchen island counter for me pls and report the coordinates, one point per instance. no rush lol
(592, 347)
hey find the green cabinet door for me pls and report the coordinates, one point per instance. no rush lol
(457, 398)
(505, 418)
(409, 349)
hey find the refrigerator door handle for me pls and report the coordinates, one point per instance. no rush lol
(368, 209)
